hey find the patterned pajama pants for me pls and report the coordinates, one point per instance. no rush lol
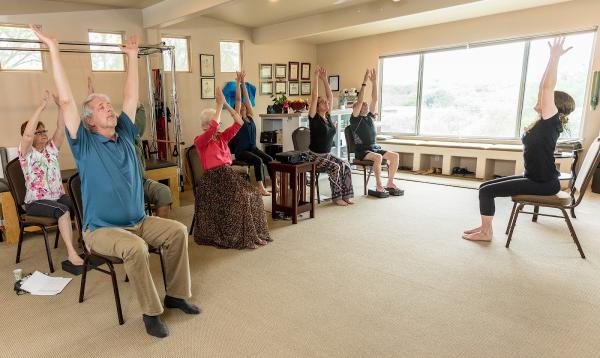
(340, 174)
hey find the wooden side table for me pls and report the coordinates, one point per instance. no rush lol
(289, 196)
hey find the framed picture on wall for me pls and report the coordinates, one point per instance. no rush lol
(207, 65)
(266, 88)
(294, 88)
(280, 71)
(305, 71)
(293, 68)
(207, 88)
(280, 87)
(334, 83)
(265, 71)
(305, 88)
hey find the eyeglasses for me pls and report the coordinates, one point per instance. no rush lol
(41, 132)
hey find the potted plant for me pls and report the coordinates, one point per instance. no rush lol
(298, 105)
(280, 103)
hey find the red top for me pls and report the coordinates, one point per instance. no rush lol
(212, 145)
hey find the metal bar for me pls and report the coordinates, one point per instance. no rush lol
(79, 43)
(419, 95)
(68, 50)
(164, 100)
(176, 120)
(154, 146)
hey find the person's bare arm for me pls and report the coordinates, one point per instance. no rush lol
(29, 133)
(131, 89)
(312, 108)
(374, 99)
(328, 93)
(59, 134)
(361, 95)
(238, 94)
(249, 109)
(546, 100)
(65, 95)
(90, 86)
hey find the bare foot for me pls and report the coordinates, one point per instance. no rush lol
(341, 202)
(478, 236)
(391, 185)
(349, 201)
(472, 231)
(75, 260)
(252, 246)
(264, 192)
(380, 188)
(261, 242)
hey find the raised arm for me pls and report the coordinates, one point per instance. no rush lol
(131, 89)
(312, 108)
(546, 98)
(328, 93)
(30, 128)
(361, 96)
(90, 86)
(238, 94)
(59, 134)
(65, 95)
(374, 99)
(249, 109)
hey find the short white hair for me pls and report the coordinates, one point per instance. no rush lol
(86, 109)
(206, 116)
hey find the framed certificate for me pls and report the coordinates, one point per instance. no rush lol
(280, 71)
(334, 83)
(280, 87)
(266, 88)
(305, 88)
(265, 71)
(305, 71)
(293, 71)
(294, 88)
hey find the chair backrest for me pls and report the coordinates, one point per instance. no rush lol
(586, 171)
(195, 165)
(16, 184)
(74, 188)
(350, 145)
(301, 138)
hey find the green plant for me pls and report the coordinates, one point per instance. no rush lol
(281, 100)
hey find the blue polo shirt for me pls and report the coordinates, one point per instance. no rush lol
(111, 178)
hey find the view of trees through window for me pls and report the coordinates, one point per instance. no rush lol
(19, 60)
(106, 61)
(476, 91)
(182, 63)
(231, 56)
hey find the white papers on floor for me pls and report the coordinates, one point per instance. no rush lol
(44, 285)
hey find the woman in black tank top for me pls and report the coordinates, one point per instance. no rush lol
(539, 142)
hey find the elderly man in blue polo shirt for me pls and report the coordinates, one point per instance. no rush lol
(113, 198)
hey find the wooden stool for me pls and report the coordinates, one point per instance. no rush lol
(289, 196)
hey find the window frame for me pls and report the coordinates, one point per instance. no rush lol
(520, 105)
(189, 51)
(42, 55)
(122, 33)
(241, 43)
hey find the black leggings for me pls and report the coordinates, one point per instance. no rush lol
(509, 186)
(256, 158)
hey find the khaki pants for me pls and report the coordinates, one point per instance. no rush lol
(131, 245)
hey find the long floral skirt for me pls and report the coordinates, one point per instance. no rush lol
(229, 211)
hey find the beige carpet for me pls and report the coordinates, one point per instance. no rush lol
(383, 278)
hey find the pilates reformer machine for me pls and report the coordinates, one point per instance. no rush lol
(145, 51)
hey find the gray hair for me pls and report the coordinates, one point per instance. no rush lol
(86, 109)
(206, 116)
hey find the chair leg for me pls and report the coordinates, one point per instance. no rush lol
(48, 253)
(116, 290)
(162, 267)
(21, 229)
(316, 179)
(86, 261)
(573, 213)
(56, 238)
(513, 224)
(512, 214)
(193, 223)
(536, 210)
(573, 234)
(365, 179)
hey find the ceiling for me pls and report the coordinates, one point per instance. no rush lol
(257, 13)
(129, 4)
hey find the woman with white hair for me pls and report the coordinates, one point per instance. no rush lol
(229, 211)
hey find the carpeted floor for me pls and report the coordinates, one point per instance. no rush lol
(382, 278)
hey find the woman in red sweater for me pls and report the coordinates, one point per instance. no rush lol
(229, 211)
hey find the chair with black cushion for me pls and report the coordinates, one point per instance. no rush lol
(563, 200)
(16, 184)
(351, 147)
(91, 259)
(301, 141)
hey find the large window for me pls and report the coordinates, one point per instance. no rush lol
(485, 91)
(182, 58)
(106, 61)
(19, 60)
(231, 56)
